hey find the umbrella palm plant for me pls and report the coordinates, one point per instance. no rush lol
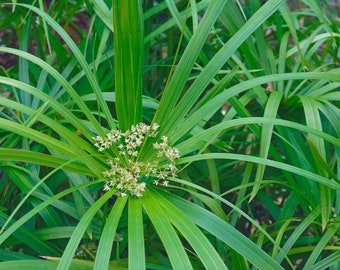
(132, 181)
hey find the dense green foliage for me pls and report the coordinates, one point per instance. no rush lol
(248, 94)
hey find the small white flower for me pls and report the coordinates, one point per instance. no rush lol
(107, 173)
(120, 186)
(156, 182)
(162, 174)
(125, 172)
(165, 183)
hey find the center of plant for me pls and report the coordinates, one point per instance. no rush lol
(127, 174)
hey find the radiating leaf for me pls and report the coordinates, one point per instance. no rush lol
(107, 237)
(168, 235)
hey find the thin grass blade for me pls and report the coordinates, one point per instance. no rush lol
(128, 60)
(173, 245)
(136, 235)
(106, 240)
(266, 136)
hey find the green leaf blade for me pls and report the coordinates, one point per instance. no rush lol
(128, 60)
(173, 246)
(136, 235)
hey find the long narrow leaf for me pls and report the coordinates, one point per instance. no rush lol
(322, 243)
(173, 245)
(106, 240)
(82, 61)
(201, 245)
(178, 80)
(7, 233)
(218, 101)
(217, 62)
(266, 136)
(76, 237)
(199, 140)
(226, 233)
(128, 59)
(275, 164)
(297, 233)
(136, 235)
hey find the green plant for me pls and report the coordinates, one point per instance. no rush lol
(251, 124)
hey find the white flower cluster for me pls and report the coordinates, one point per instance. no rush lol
(128, 175)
